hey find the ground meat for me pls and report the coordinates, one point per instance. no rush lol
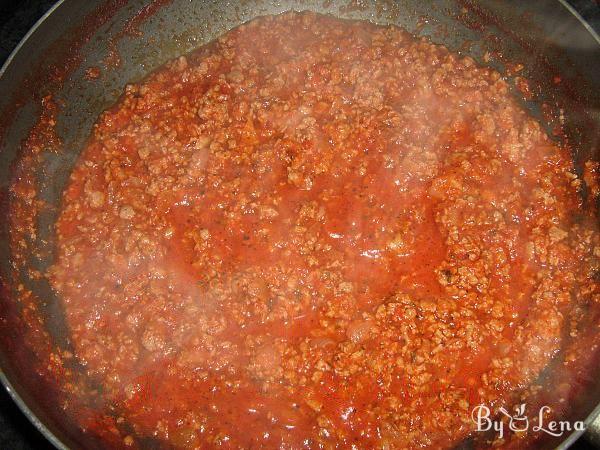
(316, 233)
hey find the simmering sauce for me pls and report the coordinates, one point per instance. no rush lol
(317, 233)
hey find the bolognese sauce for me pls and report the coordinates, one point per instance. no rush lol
(317, 233)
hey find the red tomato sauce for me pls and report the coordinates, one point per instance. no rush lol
(316, 233)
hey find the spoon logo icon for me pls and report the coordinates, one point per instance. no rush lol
(519, 422)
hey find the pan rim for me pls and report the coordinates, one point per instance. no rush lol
(578, 16)
(7, 385)
(25, 38)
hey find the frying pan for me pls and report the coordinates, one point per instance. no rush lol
(559, 52)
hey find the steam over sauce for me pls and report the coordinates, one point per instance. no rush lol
(316, 233)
